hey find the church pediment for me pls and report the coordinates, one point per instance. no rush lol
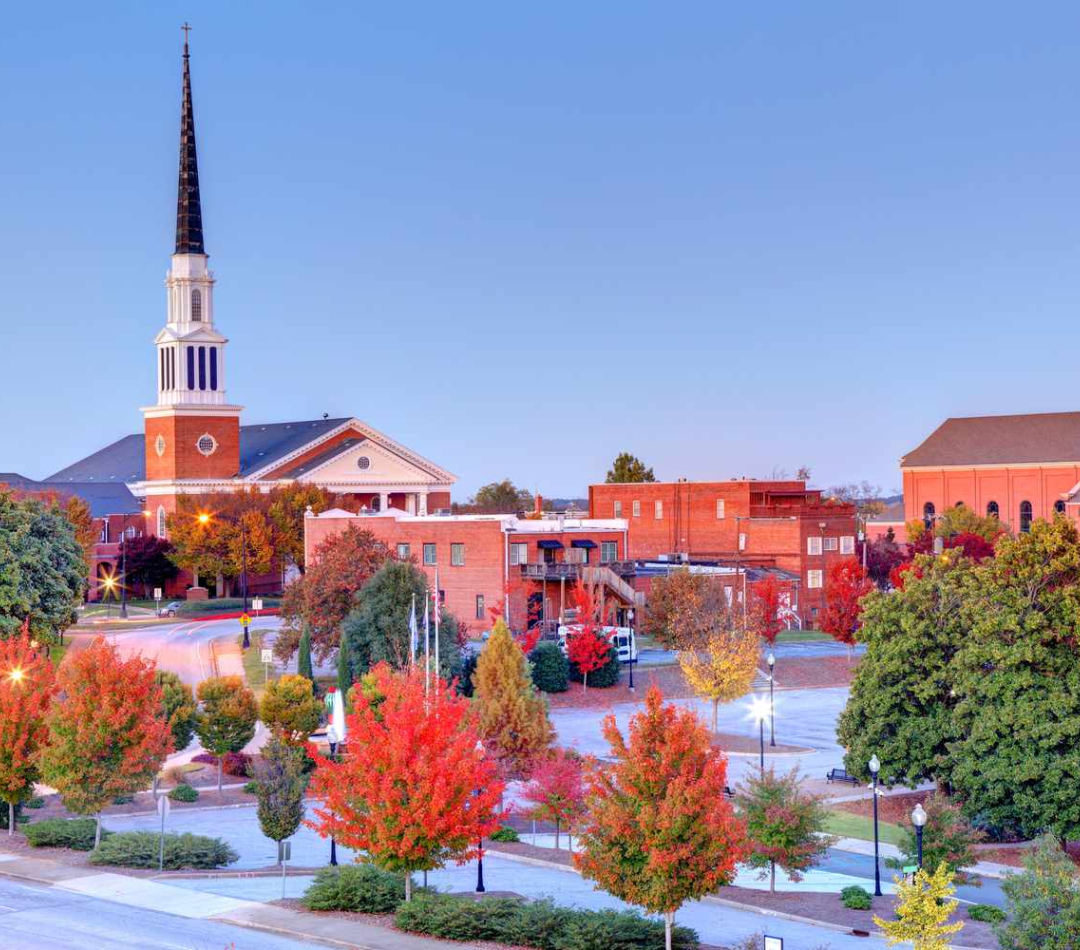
(197, 335)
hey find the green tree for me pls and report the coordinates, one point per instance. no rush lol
(963, 520)
(500, 498)
(303, 660)
(280, 783)
(784, 825)
(177, 707)
(1043, 902)
(948, 839)
(226, 718)
(42, 567)
(628, 468)
(900, 707)
(290, 710)
(513, 717)
(377, 630)
(1015, 751)
(148, 562)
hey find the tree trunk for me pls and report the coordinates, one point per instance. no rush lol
(220, 768)
(584, 682)
(97, 832)
(669, 919)
(408, 887)
(11, 818)
(556, 833)
(772, 877)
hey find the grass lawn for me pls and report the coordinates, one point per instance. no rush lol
(800, 636)
(847, 825)
(254, 668)
(56, 653)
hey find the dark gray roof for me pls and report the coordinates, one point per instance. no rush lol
(260, 446)
(1000, 440)
(104, 498)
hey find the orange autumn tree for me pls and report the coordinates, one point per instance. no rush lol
(764, 616)
(415, 790)
(847, 583)
(107, 734)
(27, 685)
(659, 830)
(556, 791)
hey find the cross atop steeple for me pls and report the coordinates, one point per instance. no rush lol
(189, 234)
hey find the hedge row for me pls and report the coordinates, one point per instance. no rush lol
(74, 833)
(139, 849)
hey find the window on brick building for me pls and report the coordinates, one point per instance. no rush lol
(635, 507)
(847, 544)
(928, 512)
(959, 504)
(1025, 516)
(992, 510)
(1059, 507)
(719, 507)
(618, 509)
(403, 552)
(830, 544)
(481, 614)
(813, 544)
(609, 551)
(813, 579)
(658, 510)
(457, 555)
(519, 553)
(161, 522)
(429, 554)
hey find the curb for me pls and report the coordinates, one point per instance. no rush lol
(300, 934)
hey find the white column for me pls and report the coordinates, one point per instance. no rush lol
(423, 503)
(384, 501)
(410, 503)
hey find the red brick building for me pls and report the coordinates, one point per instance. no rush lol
(1017, 468)
(745, 522)
(484, 560)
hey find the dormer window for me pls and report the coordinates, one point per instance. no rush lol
(196, 306)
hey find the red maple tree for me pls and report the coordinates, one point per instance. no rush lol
(27, 685)
(847, 583)
(659, 830)
(107, 734)
(765, 608)
(587, 645)
(415, 789)
(556, 791)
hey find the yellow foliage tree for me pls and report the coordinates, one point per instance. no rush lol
(923, 910)
(721, 666)
(289, 709)
(513, 716)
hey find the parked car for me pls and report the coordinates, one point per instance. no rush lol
(623, 638)
(170, 609)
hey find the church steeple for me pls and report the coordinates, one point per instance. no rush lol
(189, 233)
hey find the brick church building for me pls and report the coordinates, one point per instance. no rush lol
(193, 441)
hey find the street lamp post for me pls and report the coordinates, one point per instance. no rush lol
(918, 819)
(633, 646)
(123, 569)
(771, 660)
(480, 850)
(332, 738)
(875, 767)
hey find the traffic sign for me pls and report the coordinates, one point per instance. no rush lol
(157, 593)
(268, 656)
(163, 806)
(244, 620)
(256, 604)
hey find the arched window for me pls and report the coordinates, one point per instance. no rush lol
(959, 504)
(1059, 507)
(928, 512)
(196, 305)
(1025, 516)
(992, 510)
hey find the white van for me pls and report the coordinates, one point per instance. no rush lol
(622, 637)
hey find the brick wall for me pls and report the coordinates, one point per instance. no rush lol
(181, 458)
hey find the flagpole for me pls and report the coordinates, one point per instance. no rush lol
(412, 632)
(427, 642)
(438, 668)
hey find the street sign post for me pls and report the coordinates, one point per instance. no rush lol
(284, 853)
(157, 601)
(267, 658)
(163, 806)
(245, 620)
(774, 943)
(256, 605)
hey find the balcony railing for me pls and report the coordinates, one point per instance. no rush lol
(564, 570)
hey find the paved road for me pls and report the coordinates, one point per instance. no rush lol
(42, 918)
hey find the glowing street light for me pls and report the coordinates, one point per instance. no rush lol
(203, 518)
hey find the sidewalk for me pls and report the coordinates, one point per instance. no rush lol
(858, 846)
(146, 893)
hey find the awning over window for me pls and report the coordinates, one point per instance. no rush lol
(582, 543)
(548, 545)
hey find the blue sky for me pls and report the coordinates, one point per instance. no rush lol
(725, 237)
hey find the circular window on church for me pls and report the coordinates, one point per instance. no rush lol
(207, 444)
(159, 446)
(363, 463)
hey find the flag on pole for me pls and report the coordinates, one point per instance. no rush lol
(427, 641)
(437, 612)
(414, 634)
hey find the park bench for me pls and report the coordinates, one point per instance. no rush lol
(841, 775)
(728, 793)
